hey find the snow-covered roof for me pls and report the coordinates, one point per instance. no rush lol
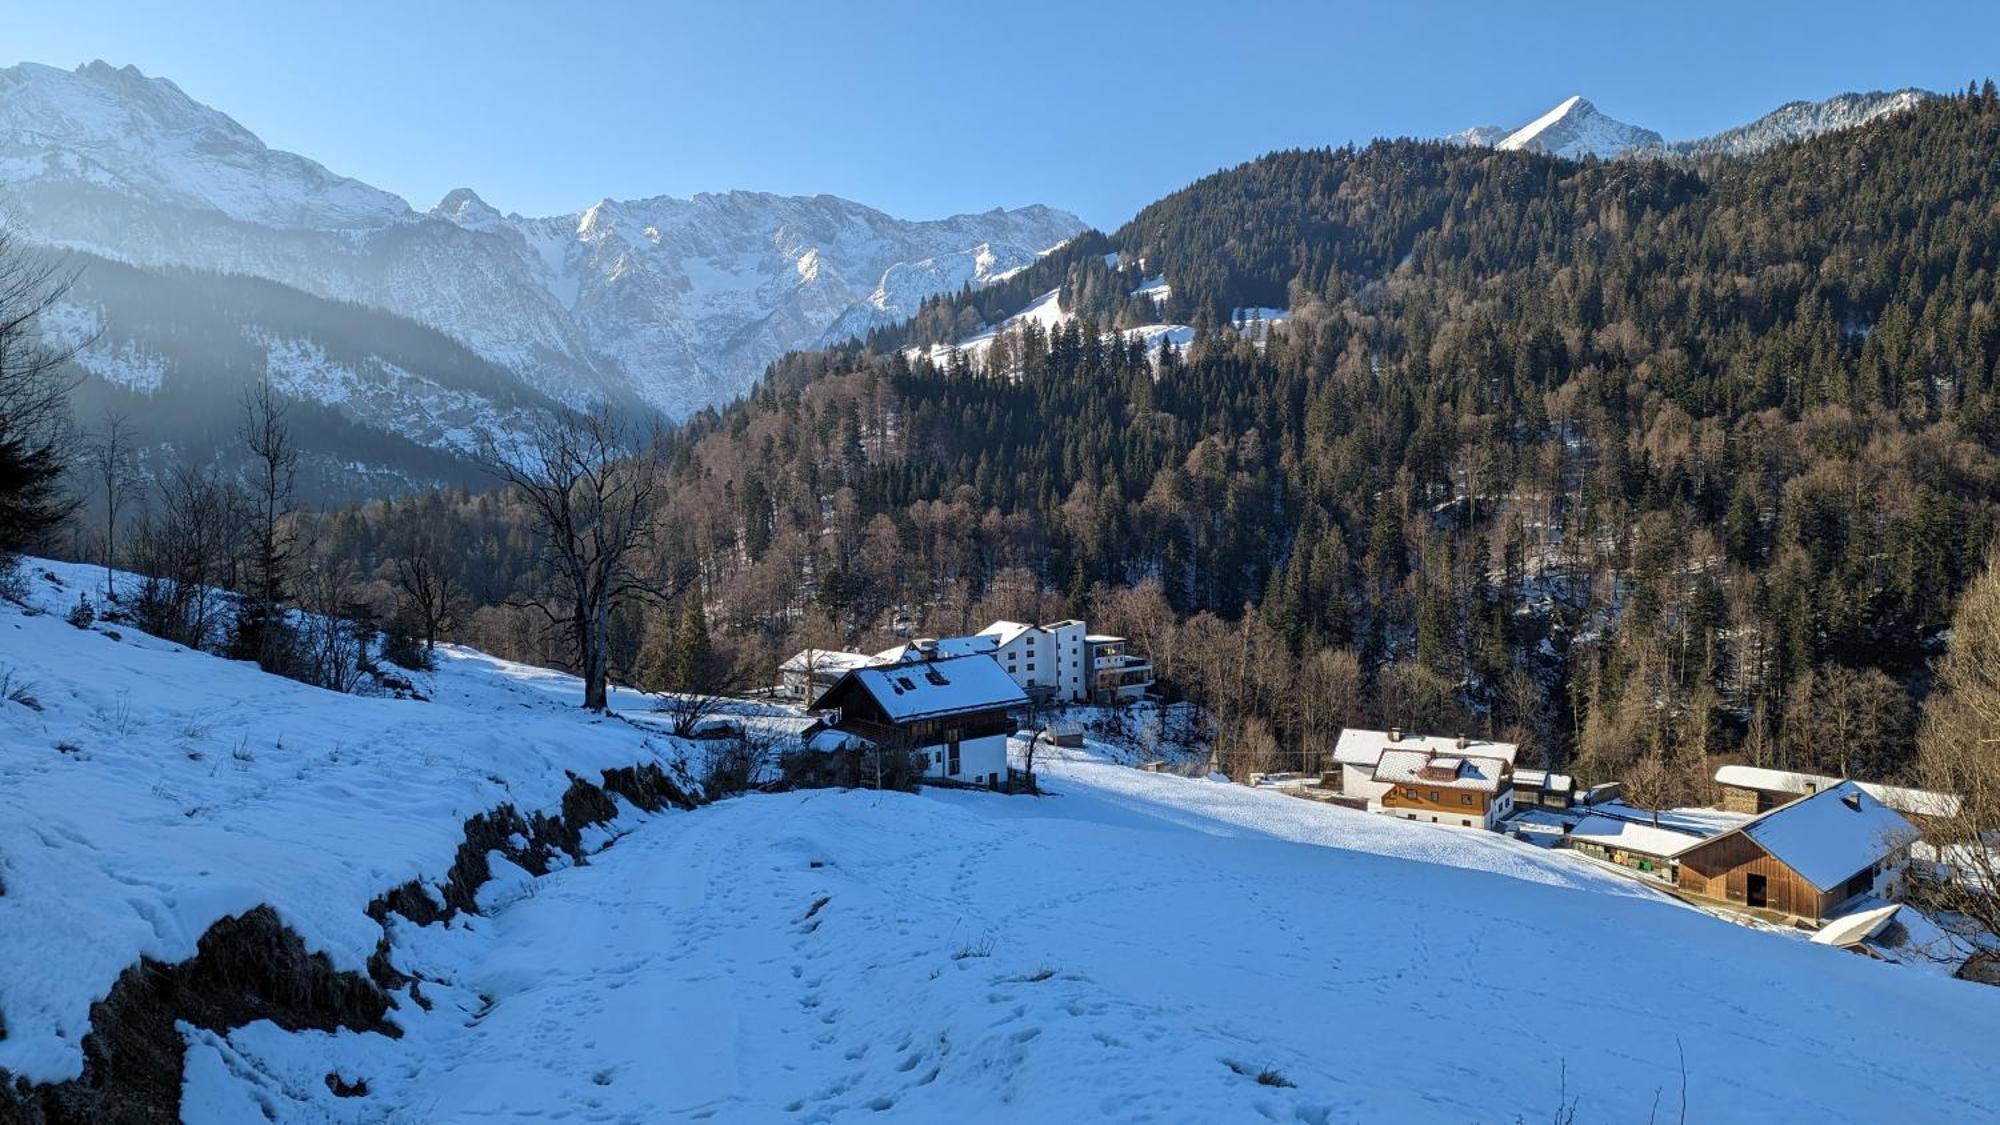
(1896, 933)
(1856, 927)
(1922, 802)
(1365, 747)
(935, 687)
(1406, 767)
(1542, 779)
(1610, 832)
(1005, 631)
(1831, 835)
(1104, 639)
(826, 660)
(943, 646)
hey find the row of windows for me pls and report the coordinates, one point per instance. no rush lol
(1463, 798)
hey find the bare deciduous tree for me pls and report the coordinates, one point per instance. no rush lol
(182, 550)
(593, 499)
(1959, 754)
(426, 590)
(110, 452)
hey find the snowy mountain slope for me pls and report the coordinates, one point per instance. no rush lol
(1133, 947)
(142, 137)
(1799, 120)
(679, 303)
(1575, 128)
(693, 298)
(383, 405)
(152, 791)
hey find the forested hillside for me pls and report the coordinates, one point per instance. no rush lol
(1639, 462)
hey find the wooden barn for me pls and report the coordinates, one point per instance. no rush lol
(1805, 859)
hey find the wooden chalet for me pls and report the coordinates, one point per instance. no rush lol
(951, 710)
(1461, 790)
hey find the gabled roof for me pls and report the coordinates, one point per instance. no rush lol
(1829, 836)
(1611, 832)
(932, 688)
(1365, 747)
(1005, 631)
(825, 660)
(1922, 802)
(1419, 767)
(1542, 779)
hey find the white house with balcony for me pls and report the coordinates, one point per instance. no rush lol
(1065, 662)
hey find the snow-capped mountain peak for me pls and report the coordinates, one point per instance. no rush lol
(463, 207)
(114, 128)
(1575, 129)
(678, 302)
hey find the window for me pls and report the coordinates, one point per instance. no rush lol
(1434, 796)
(1410, 793)
(1465, 798)
(1031, 667)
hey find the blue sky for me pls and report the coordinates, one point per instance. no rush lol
(925, 109)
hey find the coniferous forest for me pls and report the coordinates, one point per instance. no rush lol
(1640, 462)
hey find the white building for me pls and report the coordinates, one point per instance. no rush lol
(1117, 675)
(1050, 662)
(1457, 788)
(1359, 752)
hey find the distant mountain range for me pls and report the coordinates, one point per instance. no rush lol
(418, 335)
(662, 303)
(1575, 128)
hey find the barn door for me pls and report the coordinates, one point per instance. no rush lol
(1754, 890)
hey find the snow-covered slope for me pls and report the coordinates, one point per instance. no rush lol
(677, 302)
(1576, 129)
(151, 791)
(1133, 947)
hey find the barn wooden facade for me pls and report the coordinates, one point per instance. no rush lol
(1805, 859)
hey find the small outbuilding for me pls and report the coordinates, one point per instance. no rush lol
(1805, 859)
(1644, 848)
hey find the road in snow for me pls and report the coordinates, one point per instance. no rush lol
(1132, 947)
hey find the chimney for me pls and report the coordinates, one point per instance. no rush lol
(1463, 742)
(1395, 734)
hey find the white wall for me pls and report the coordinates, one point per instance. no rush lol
(1051, 659)
(978, 758)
